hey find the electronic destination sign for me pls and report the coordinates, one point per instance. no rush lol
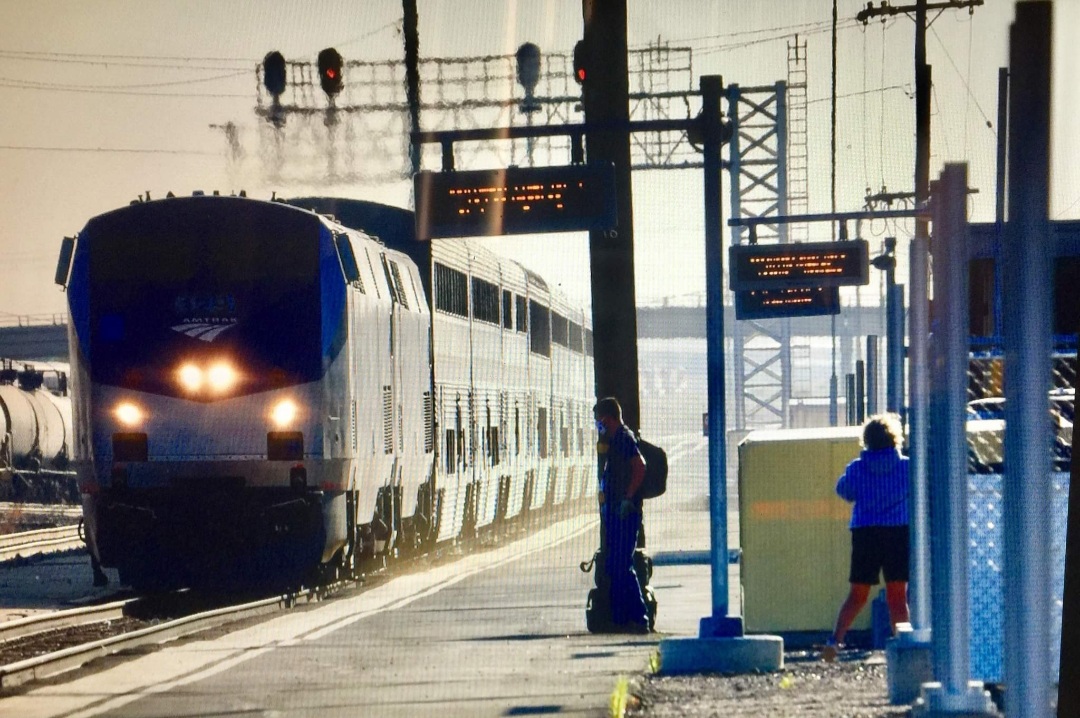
(515, 200)
(807, 264)
(793, 302)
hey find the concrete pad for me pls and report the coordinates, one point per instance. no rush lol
(908, 666)
(746, 654)
(935, 702)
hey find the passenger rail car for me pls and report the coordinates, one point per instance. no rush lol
(499, 375)
(261, 392)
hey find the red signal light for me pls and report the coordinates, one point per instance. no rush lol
(579, 62)
(330, 65)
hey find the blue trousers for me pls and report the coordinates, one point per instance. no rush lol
(620, 536)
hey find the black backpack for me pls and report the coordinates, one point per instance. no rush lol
(655, 483)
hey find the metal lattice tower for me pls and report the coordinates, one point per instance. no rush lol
(797, 156)
(361, 135)
(759, 188)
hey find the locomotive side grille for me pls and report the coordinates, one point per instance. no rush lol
(402, 297)
(429, 429)
(388, 420)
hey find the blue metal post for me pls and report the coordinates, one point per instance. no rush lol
(948, 468)
(919, 391)
(718, 624)
(1028, 276)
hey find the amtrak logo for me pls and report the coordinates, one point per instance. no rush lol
(204, 330)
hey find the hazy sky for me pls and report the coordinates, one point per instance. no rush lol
(101, 100)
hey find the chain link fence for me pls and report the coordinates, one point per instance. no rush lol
(986, 429)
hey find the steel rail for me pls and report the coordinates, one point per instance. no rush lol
(51, 664)
(23, 627)
(29, 543)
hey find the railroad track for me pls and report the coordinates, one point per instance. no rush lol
(45, 510)
(24, 671)
(30, 543)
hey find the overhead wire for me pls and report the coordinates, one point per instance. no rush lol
(787, 29)
(881, 113)
(967, 77)
(865, 112)
(200, 95)
(963, 80)
(35, 84)
(105, 56)
(22, 57)
(119, 150)
(726, 47)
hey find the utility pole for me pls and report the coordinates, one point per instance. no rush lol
(919, 329)
(611, 254)
(922, 86)
(410, 28)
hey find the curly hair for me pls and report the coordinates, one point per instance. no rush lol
(883, 431)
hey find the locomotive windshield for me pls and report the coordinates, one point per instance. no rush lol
(187, 284)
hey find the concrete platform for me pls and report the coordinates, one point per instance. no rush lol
(745, 654)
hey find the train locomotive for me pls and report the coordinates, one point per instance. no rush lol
(265, 395)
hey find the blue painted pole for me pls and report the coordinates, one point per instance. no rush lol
(718, 624)
(1028, 275)
(948, 454)
(919, 505)
(948, 467)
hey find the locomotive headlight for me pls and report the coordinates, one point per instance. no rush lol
(128, 414)
(221, 377)
(191, 377)
(284, 413)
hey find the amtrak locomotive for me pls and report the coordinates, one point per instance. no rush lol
(263, 394)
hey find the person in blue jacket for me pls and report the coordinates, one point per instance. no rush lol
(620, 514)
(877, 484)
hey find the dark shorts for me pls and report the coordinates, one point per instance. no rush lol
(877, 549)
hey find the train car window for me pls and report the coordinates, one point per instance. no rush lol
(451, 291)
(507, 307)
(539, 329)
(348, 260)
(460, 439)
(493, 444)
(485, 301)
(559, 329)
(576, 343)
(517, 431)
(542, 432)
(522, 316)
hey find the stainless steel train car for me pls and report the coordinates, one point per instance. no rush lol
(261, 393)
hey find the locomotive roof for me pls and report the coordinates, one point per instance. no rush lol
(143, 209)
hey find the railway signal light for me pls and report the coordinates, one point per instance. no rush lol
(579, 62)
(330, 71)
(274, 73)
(528, 75)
